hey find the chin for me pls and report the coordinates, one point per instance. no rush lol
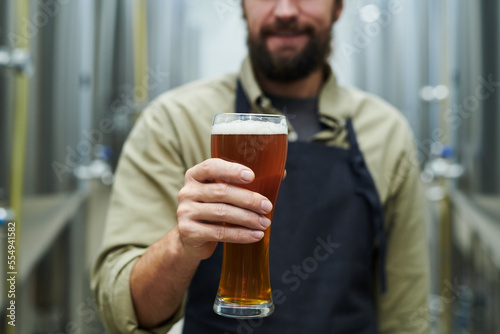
(286, 55)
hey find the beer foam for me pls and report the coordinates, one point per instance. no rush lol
(252, 127)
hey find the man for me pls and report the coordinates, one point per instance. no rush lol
(347, 245)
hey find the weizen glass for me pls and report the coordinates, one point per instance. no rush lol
(260, 143)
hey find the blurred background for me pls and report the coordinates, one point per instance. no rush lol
(75, 75)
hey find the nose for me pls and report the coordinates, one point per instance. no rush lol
(286, 9)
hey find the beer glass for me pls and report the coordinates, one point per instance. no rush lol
(260, 143)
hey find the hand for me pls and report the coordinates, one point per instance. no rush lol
(207, 200)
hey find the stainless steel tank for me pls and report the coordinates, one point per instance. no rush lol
(475, 115)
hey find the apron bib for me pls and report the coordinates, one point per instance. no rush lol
(322, 249)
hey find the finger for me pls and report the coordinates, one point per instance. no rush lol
(224, 233)
(220, 170)
(284, 175)
(221, 212)
(234, 195)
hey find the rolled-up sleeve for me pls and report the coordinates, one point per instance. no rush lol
(112, 290)
(142, 209)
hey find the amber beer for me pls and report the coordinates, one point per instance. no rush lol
(260, 143)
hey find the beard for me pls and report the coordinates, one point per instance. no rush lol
(289, 68)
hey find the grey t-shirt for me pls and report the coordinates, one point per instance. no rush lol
(301, 112)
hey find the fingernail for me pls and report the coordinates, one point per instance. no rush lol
(265, 222)
(257, 234)
(266, 206)
(246, 175)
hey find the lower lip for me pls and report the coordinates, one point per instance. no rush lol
(292, 38)
(285, 41)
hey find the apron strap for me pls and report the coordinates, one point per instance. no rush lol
(371, 196)
(241, 104)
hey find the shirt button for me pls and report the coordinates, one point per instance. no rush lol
(293, 136)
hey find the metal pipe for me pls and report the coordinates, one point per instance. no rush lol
(20, 127)
(141, 90)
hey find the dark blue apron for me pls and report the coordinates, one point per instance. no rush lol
(326, 233)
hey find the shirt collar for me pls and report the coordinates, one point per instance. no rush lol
(333, 106)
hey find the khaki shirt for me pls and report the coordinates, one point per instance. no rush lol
(173, 134)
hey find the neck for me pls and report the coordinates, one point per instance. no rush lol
(303, 88)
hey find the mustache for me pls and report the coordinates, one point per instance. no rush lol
(286, 27)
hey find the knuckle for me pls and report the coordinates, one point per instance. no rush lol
(235, 168)
(182, 194)
(220, 190)
(252, 218)
(185, 229)
(250, 200)
(206, 166)
(185, 210)
(188, 175)
(240, 235)
(181, 211)
(220, 233)
(221, 211)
